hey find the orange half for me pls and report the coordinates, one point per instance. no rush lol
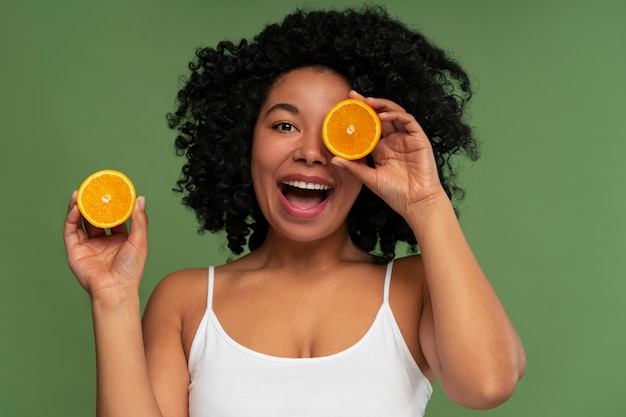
(351, 129)
(106, 198)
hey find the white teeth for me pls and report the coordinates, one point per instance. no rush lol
(307, 185)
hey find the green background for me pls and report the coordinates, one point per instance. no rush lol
(85, 86)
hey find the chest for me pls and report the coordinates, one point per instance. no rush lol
(375, 376)
(276, 317)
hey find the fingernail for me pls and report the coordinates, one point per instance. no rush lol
(141, 201)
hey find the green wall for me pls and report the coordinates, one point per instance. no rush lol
(85, 86)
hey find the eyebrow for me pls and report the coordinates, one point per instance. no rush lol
(283, 106)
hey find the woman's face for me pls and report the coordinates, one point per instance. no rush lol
(300, 193)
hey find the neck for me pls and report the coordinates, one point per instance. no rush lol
(308, 257)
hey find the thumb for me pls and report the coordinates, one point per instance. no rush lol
(358, 169)
(139, 225)
(131, 257)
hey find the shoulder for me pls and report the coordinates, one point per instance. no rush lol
(177, 292)
(408, 291)
(178, 286)
(409, 286)
(176, 306)
(408, 272)
(180, 282)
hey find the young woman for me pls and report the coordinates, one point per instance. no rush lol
(317, 319)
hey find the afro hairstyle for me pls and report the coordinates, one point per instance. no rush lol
(219, 101)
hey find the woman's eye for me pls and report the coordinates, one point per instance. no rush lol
(285, 127)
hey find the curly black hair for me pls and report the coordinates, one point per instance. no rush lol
(218, 105)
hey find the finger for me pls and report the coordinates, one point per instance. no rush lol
(92, 231)
(383, 104)
(400, 121)
(80, 223)
(73, 233)
(120, 229)
(356, 95)
(72, 202)
(358, 169)
(138, 235)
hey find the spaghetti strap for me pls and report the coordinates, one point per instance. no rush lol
(387, 281)
(209, 295)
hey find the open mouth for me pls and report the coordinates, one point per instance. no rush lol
(305, 195)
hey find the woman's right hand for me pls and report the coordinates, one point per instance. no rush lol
(107, 264)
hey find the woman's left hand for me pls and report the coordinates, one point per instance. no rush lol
(405, 173)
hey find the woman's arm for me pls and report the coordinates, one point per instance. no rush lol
(163, 339)
(110, 269)
(123, 383)
(465, 333)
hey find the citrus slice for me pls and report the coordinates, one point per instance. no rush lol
(351, 129)
(106, 198)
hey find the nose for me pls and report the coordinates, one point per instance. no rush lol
(311, 149)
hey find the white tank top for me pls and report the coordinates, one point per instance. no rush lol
(377, 376)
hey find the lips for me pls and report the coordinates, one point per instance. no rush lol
(305, 194)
